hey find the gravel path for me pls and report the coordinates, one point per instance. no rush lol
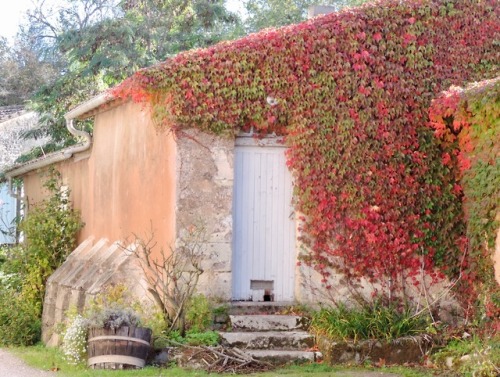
(12, 366)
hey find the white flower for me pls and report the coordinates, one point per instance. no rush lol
(75, 341)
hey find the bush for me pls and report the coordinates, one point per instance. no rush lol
(198, 314)
(206, 338)
(74, 345)
(192, 338)
(199, 319)
(20, 322)
(375, 321)
(50, 235)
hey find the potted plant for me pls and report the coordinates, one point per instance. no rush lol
(107, 333)
(116, 339)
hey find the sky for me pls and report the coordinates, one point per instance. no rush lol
(12, 15)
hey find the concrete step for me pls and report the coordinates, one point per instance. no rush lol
(263, 322)
(269, 340)
(280, 357)
(251, 308)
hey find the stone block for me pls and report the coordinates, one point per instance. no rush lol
(398, 351)
(215, 284)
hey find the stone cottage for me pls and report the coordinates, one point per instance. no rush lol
(131, 178)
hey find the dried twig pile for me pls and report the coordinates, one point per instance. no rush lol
(222, 360)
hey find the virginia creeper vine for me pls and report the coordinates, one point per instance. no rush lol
(350, 91)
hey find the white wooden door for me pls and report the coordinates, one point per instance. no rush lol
(264, 224)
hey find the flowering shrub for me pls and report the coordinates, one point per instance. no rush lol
(350, 93)
(74, 345)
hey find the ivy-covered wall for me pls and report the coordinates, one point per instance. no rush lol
(467, 122)
(350, 91)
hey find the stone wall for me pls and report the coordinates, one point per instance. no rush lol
(204, 198)
(12, 142)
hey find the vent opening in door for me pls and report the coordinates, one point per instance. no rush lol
(262, 289)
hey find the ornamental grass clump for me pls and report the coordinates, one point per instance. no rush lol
(373, 321)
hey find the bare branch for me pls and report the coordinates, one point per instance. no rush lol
(172, 277)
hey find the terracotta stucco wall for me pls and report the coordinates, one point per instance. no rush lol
(125, 184)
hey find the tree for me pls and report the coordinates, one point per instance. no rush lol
(275, 13)
(101, 42)
(21, 72)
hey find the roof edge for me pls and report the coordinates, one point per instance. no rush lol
(82, 111)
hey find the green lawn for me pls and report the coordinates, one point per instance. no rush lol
(49, 358)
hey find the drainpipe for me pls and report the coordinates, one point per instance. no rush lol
(78, 112)
(67, 153)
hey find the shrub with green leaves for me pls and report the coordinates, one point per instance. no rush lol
(198, 314)
(20, 320)
(199, 319)
(192, 338)
(49, 232)
(205, 338)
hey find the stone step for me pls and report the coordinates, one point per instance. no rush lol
(280, 357)
(269, 340)
(251, 308)
(263, 322)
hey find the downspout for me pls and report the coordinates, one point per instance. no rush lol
(78, 112)
(69, 152)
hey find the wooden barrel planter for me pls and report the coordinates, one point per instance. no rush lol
(122, 348)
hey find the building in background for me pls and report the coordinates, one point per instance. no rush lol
(14, 122)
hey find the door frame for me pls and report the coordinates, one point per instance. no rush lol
(261, 287)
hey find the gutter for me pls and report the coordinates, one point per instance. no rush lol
(65, 154)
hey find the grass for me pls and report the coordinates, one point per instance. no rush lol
(376, 321)
(44, 358)
(323, 370)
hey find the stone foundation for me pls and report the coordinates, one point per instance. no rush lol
(399, 351)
